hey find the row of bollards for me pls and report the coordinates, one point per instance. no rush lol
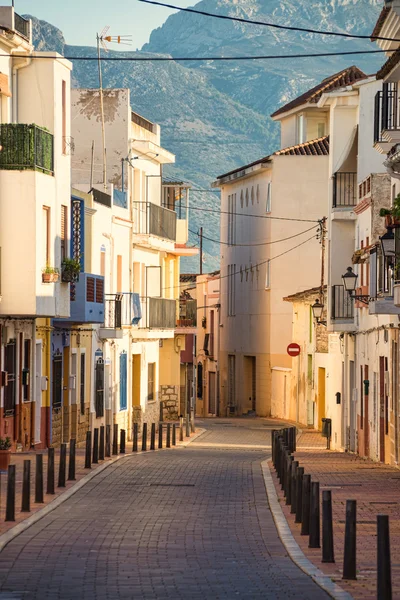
(303, 496)
(39, 479)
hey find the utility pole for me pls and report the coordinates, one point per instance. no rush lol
(201, 251)
(103, 129)
(322, 224)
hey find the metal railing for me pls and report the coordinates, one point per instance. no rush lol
(387, 114)
(159, 313)
(344, 189)
(142, 122)
(26, 147)
(121, 309)
(342, 303)
(152, 219)
(21, 25)
(187, 312)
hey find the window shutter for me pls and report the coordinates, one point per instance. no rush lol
(99, 291)
(90, 289)
(123, 381)
(206, 343)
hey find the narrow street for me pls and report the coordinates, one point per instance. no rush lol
(189, 523)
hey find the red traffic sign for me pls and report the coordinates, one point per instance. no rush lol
(293, 349)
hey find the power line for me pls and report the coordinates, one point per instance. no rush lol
(253, 245)
(272, 25)
(199, 58)
(225, 212)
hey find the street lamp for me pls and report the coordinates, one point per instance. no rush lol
(388, 243)
(350, 282)
(317, 309)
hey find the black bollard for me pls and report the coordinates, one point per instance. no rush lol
(101, 444)
(135, 437)
(122, 441)
(350, 545)
(39, 479)
(181, 429)
(95, 458)
(299, 494)
(294, 438)
(289, 479)
(10, 506)
(328, 554)
(282, 469)
(173, 434)
(26, 487)
(192, 424)
(88, 450)
(153, 437)
(273, 432)
(314, 539)
(305, 511)
(187, 426)
(62, 467)
(293, 488)
(108, 441)
(72, 460)
(115, 439)
(384, 563)
(50, 471)
(169, 435)
(144, 437)
(160, 435)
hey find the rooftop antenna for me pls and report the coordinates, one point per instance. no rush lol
(102, 38)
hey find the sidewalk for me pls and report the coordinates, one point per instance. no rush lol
(18, 460)
(376, 488)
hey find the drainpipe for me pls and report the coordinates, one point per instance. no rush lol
(15, 69)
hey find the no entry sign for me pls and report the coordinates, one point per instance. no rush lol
(293, 349)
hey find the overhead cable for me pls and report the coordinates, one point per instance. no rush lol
(255, 244)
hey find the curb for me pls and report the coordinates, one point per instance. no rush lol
(292, 547)
(15, 531)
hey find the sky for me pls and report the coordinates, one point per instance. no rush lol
(79, 20)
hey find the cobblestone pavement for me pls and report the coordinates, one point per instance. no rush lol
(191, 523)
(375, 487)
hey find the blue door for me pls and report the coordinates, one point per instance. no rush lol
(123, 381)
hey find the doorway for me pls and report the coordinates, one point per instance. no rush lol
(211, 393)
(366, 409)
(353, 405)
(321, 395)
(250, 382)
(382, 408)
(74, 406)
(38, 393)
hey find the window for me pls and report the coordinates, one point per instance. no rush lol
(362, 398)
(200, 381)
(64, 231)
(247, 197)
(393, 193)
(10, 365)
(252, 195)
(103, 261)
(99, 389)
(123, 381)
(151, 370)
(269, 197)
(46, 235)
(321, 130)
(301, 129)
(64, 116)
(241, 199)
(231, 381)
(82, 385)
(232, 219)
(119, 273)
(57, 381)
(211, 333)
(231, 290)
(268, 275)
(27, 362)
(258, 194)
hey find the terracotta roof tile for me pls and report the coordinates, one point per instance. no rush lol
(318, 147)
(389, 65)
(379, 24)
(346, 77)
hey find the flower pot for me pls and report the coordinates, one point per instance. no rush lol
(49, 277)
(69, 276)
(391, 221)
(5, 456)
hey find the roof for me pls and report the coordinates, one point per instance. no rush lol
(188, 277)
(318, 147)
(389, 65)
(379, 24)
(304, 295)
(338, 80)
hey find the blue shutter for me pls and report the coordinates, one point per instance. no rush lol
(122, 381)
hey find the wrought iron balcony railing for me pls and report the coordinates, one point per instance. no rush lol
(21, 25)
(344, 189)
(342, 303)
(152, 219)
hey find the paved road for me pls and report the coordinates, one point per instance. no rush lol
(188, 523)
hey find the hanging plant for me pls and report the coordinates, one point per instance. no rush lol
(392, 215)
(70, 270)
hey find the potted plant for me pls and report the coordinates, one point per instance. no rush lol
(392, 215)
(5, 453)
(70, 269)
(50, 274)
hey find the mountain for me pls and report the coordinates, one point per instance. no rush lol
(214, 115)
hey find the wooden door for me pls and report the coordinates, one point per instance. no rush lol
(211, 393)
(366, 407)
(382, 408)
(321, 395)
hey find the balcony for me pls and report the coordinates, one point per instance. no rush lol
(26, 147)
(121, 310)
(87, 299)
(11, 20)
(175, 196)
(344, 190)
(342, 307)
(21, 25)
(386, 118)
(159, 313)
(154, 220)
(187, 314)
(382, 285)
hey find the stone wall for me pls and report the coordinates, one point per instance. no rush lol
(150, 415)
(169, 395)
(83, 426)
(56, 433)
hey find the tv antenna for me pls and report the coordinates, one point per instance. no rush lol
(102, 39)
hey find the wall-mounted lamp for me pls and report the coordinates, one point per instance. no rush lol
(317, 310)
